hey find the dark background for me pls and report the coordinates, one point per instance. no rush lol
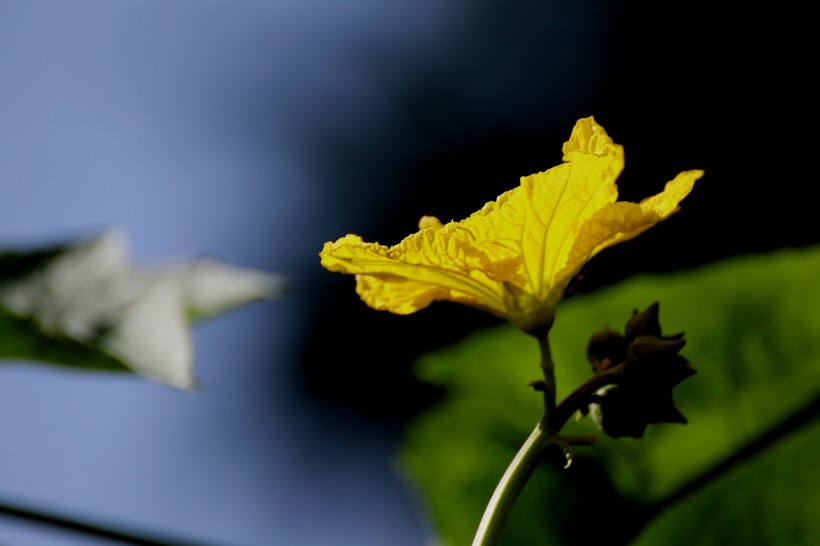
(683, 86)
(255, 131)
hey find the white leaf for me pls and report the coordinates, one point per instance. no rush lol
(92, 294)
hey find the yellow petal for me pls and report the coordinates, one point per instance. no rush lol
(515, 256)
(430, 222)
(589, 138)
(539, 220)
(433, 264)
(666, 202)
(619, 222)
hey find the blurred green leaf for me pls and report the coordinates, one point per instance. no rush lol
(751, 325)
(86, 306)
(771, 499)
(22, 339)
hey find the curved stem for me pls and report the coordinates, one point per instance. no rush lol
(511, 484)
(579, 398)
(529, 455)
(548, 369)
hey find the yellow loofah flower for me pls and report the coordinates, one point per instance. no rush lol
(515, 256)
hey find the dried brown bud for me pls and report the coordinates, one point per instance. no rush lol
(652, 367)
(644, 324)
(606, 349)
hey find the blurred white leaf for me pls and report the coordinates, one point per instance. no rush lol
(91, 294)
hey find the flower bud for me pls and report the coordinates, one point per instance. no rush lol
(652, 367)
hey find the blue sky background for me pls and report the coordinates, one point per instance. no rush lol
(251, 131)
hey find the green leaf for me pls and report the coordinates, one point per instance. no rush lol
(22, 339)
(86, 306)
(751, 325)
(773, 498)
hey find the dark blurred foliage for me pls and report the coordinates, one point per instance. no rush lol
(681, 85)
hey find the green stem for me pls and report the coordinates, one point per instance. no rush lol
(548, 369)
(511, 484)
(529, 456)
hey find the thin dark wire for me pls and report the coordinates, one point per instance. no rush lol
(99, 531)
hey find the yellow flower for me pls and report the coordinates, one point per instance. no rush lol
(515, 256)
